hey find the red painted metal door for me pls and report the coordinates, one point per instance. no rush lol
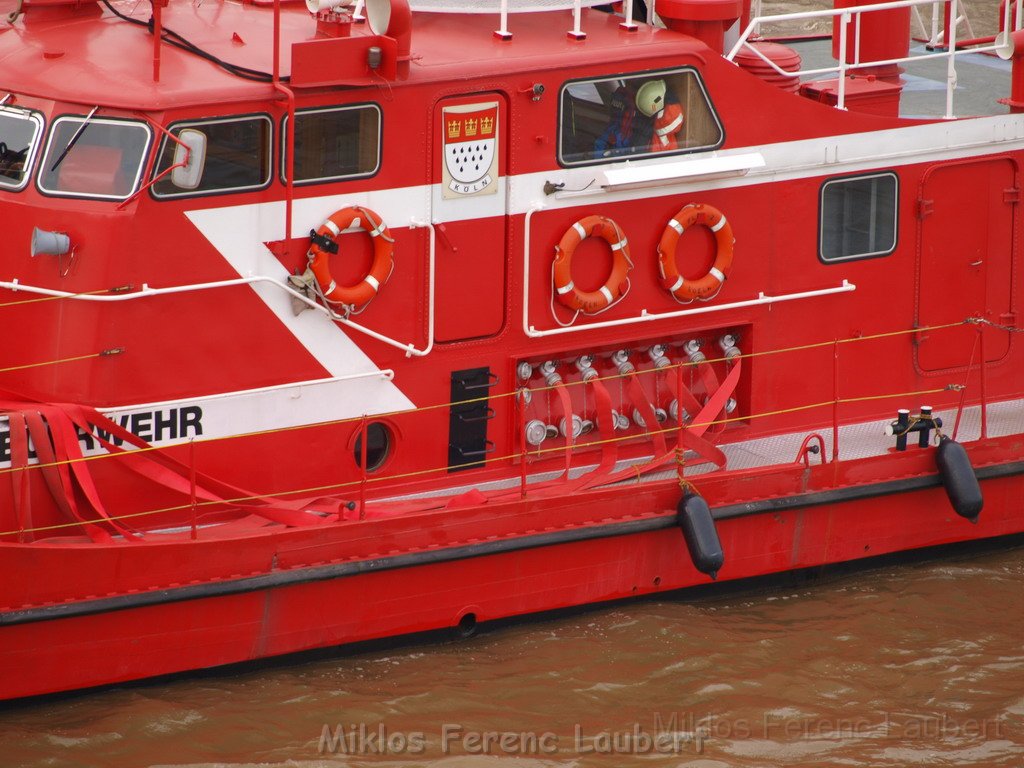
(468, 200)
(965, 264)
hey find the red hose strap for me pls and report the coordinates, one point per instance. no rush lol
(20, 486)
(643, 404)
(566, 401)
(605, 428)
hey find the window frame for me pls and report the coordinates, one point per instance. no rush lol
(190, 123)
(563, 163)
(331, 179)
(895, 218)
(38, 140)
(143, 162)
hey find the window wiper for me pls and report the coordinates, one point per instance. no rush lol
(74, 139)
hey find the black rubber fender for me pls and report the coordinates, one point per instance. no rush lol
(698, 526)
(958, 479)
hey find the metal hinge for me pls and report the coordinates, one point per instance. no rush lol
(925, 207)
(1011, 195)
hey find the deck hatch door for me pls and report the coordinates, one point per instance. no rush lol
(965, 259)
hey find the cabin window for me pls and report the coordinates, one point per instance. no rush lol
(334, 143)
(19, 134)
(94, 157)
(858, 217)
(634, 116)
(238, 156)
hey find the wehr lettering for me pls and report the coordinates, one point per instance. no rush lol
(151, 426)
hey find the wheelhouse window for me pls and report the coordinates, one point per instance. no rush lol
(858, 217)
(334, 143)
(634, 116)
(19, 140)
(94, 157)
(237, 158)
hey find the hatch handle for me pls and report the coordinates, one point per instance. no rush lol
(487, 415)
(442, 230)
(469, 454)
(492, 380)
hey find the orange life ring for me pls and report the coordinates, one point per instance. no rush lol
(707, 287)
(324, 243)
(591, 302)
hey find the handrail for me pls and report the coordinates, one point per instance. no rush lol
(645, 316)
(409, 349)
(535, 208)
(843, 67)
(146, 291)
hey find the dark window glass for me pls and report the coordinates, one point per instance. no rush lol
(18, 134)
(335, 143)
(635, 116)
(858, 217)
(237, 156)
(105, 160)
(378, 446)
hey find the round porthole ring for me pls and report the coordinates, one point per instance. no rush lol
(392, 436)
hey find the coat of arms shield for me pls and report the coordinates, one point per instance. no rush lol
(470, 149)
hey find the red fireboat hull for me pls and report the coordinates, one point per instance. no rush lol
(294, 590)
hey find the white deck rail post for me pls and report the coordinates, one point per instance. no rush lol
(951, 61)
(629, 25)
(502, 33)
(577, 33)
(844, 24)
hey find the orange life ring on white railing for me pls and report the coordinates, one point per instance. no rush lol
(706, 287)
(325, 243)
(591, 302)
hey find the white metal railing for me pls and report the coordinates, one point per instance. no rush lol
(644, 316)
(936, 36)
(848, 15)
(147, 291)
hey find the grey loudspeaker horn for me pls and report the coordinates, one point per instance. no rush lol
(46, 243)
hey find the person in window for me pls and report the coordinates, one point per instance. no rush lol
(653, 100)
(624, 132)
(12, 163)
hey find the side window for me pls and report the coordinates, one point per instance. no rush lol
(858, 217)
(334, 143)
(95, 157)
(633, 116)
(19, 139)
(238, 155)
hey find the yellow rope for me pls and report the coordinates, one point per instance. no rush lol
(40, 299)
(50, 362)
(433, 470)
(540, 451)
(515, 393)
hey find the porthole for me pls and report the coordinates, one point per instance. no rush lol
(378, 446)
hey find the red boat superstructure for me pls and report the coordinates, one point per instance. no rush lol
(323, 330)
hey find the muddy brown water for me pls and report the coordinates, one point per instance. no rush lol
(915, 664)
